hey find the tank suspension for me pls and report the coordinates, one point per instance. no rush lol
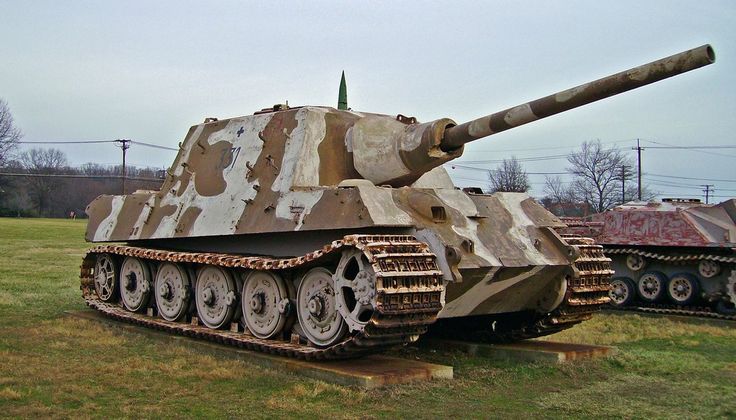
(286, 306)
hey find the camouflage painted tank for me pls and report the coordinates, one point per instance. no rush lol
(677, 254)
(320, 233)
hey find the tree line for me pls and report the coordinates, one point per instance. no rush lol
(40, 183)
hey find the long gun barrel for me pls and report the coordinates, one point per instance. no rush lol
(394, 153)
(586, 93)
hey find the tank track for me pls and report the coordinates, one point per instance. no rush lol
(693, 311)
(409, 295)
(671, 308)
(587, 293)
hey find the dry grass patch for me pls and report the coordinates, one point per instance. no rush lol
(9, 393)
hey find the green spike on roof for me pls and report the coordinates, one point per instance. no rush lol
(342, 97)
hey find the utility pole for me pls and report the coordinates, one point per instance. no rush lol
(707, 191)
(638, 149)
(124, 145)
(623, 184)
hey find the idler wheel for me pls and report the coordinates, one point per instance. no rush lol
(316, 308)
(622, 291)
(683, 288)
(215, 297)
(106, 284)
(652, 285)
(172, 291)
(355, 289)
(135, 284)
(265, 303)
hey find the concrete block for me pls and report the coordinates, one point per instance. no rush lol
(527, 350)
(366, 372)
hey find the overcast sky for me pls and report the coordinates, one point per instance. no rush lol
(148, 70)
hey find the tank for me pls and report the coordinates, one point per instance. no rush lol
(322, 233)
(678, 253)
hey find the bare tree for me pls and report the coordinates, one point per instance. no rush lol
(597, 173)
(560, 199)
(42, 190)
(509, 177)
(9, 133)
(556, 190)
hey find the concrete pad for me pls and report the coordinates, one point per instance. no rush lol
(528, 350)
(367, 372)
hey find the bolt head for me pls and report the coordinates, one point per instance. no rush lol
(256, 303)
(208, 296)
(315, 306)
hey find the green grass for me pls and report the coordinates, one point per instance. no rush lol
(55, 366)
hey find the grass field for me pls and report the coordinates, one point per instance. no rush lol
(56, 366)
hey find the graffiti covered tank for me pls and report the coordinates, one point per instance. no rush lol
(676, 252)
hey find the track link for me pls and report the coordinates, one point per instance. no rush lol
(409, 294)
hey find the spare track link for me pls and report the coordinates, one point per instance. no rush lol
(587, 293)
(671, 308)
(409, 294)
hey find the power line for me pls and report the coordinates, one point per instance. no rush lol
(685, 177)
(155, 146)
(695, 150)
(546, 148)
(456, 166)
(15, 174)
(67, 142)
(691, 147)
(140, 143)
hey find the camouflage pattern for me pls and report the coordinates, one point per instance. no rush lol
(286, 181)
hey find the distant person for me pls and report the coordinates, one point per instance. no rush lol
(73, 215)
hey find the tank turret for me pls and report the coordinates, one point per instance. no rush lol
(320, 233)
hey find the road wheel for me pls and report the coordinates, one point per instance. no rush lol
(652, 285)
(216, 295)
(623, 291)
(683, 288)
(135, 284)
